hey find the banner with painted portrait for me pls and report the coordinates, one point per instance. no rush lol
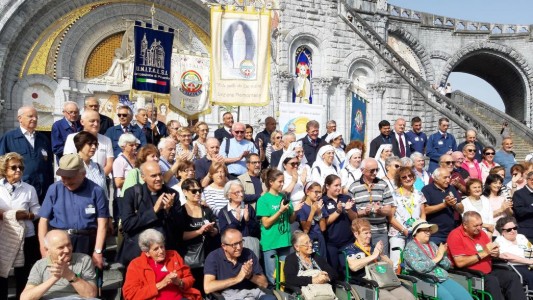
(189, 83)
(293, 117)
(358, 118)
(153, 49)
(240, 56)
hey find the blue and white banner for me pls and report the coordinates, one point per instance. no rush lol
(358, 118)
(153, 50)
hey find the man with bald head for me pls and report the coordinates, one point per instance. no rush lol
(90, 120)
(471, 137)
(202, 165)
(62, 128)
(35, 149)
(150, 205)
(61, 272)
(236, 149)
(91, 103)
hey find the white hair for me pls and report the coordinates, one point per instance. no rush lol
(126, 138)
(149, 237)
(163, 142)
(67, 103)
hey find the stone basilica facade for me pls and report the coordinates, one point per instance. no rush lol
(52, 51)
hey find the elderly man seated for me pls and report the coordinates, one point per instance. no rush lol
(61, 273)
(234, 271)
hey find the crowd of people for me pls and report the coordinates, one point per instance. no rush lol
(197, 214)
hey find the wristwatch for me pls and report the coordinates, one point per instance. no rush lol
(98, 251)
(75, 278)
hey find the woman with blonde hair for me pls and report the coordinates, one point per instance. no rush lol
(185, 150)
(202, 130)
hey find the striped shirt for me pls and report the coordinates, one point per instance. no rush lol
(364, 195)
(215, 199)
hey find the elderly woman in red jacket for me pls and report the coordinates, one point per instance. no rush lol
(158, 274)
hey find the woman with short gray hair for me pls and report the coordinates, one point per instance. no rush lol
(422, 176)
(125, 161)
(240, 216)
(158, 273)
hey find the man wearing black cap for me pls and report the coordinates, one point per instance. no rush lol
(78, 206)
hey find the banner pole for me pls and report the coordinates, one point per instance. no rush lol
(152, 10)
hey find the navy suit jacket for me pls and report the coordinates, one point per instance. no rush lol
(115, 132)
(275, 158)
(39, 170)
(221, 134)
(310, 151)
(396, 146)
(60, 130)
(105, 123)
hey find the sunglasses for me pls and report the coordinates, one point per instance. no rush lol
(471, 150)
(239, 131)
(122, 115)
(489, 153)
(407, 176)
(510, 229)
(16, 167)
(373, 170)
(195, 191)
(449, 162)
(93, 144)
(294, 164)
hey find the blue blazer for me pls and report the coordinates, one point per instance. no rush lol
(60, 130)
(221, 134)
(39, 170)
(115, 132)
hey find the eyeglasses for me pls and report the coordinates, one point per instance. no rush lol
(404, 177)
(237, 193)
(73, 112)
(294, 164)
(515, 174)
(489, 153)
(239, 131)
(373, 170)
(16, 167)
(471, 150)
(195, 191)
(509, 229)
(278, 137)
(449, 162)
(122, 115)
(255, 162)
(234, 245)
(186, 135)
(306, 244)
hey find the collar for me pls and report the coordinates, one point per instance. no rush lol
(445, 133)
(530, 190)
(439, 188)
(385, 136)
(311, 140)
(24, 131)
(362, 181)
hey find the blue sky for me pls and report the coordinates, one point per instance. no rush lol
(520, 12)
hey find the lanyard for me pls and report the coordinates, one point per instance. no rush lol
(369, 189)
(408, 207)
(424, 250)
(363, 249)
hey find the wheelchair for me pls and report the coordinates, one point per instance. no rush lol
(509, 266)
(366, 289)
(284, 291)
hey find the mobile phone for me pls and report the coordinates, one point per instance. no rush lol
(285, 201)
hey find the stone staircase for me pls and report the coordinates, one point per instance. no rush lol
(445, 106)
(521, 134)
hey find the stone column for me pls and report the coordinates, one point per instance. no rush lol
(343, 109)
(374, 111)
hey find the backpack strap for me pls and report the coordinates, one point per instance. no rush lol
(228, 142)
(138, 196)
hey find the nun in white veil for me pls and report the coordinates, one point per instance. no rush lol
(335, 140)
(294, 180)
(304, 169)
(384, 152)
(324, 164)
(351, 171)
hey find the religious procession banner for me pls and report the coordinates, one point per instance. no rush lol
(358, 118)
(190, 83)
(240, 58)
(153, 49)
(294, 116)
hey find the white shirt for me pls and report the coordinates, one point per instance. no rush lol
(29, 136)
(297, 193)
(24, 197)
(486, 210)
(507, 246)
(402, 137)
(104, 151)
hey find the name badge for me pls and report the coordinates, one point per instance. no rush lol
(331, 206)
(90, 210)
(43, 152)
(479, 248)
(441, 143)
(417, 139)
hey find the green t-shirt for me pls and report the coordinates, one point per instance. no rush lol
(279, 234)
(133, 177)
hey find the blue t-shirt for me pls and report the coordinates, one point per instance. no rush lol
(78, 209)
(303, 214)
(338, 233)
(218, 265)
(417, 142)
(445, 217)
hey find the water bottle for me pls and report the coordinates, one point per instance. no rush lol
(316, 247)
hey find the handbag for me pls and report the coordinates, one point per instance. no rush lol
(195, 255)
(382, 273)
(248, 242)
(316, 291)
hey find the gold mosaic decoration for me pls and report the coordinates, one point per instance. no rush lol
(101, 57)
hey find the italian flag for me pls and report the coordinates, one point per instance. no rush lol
(153, 81)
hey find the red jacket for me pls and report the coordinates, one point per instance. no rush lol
(140, 278)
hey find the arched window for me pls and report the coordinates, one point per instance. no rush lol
(303, 92)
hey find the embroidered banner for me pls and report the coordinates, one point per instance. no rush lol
(358, 118)
(153, 48)
(294, 116)
(190, 80)
(240, 58)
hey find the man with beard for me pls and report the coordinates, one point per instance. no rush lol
(251, 181)
(470, 247)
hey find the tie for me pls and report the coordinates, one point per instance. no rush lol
(443, 136)
(126, 129)
(73, 126)
(402, 146)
